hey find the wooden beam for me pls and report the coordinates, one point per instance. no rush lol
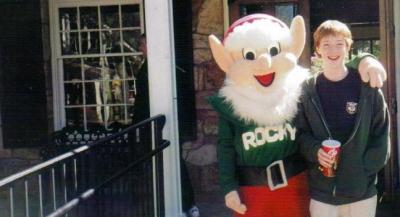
(386, 19)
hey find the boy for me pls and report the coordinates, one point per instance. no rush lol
(337, 105)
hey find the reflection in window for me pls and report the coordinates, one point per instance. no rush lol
(99, 60)
(366, 45)
(283, 11)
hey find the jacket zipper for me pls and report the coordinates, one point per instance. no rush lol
(322, 118)
(329, 135)
(329, 132)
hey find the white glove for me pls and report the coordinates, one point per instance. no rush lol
(232, 201)
(372, 71)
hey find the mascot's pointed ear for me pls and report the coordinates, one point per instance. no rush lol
(221, 55)
(298, 34)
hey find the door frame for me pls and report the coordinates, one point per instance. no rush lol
(387, 37)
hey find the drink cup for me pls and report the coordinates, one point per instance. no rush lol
(332, 147)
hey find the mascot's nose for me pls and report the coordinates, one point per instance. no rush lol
(264, 61)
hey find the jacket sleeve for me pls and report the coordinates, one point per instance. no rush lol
(355, 61)
(308, 145)
(226, 156)
(378, 149)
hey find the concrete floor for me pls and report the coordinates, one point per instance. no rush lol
(211, 204)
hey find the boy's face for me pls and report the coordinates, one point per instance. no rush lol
(333, 50)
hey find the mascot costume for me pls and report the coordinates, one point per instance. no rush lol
(261, 173)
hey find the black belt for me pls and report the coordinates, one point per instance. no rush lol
(274, 175)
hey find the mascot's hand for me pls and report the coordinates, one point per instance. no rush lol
(372, 70)
(232, 201)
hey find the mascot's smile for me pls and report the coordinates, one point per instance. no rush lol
(265, 80)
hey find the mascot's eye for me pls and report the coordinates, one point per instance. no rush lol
(249, 54)
(274, 50)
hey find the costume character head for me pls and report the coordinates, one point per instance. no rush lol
(259, 56)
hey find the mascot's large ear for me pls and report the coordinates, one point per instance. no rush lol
(221, 55)
(298, 34)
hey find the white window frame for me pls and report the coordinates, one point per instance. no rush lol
(163, 95)
(57, 78)
(396, 19)
(162, 85)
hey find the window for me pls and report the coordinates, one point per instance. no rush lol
(366, 45)
(97, 61)
(365, 38)
(283, 11)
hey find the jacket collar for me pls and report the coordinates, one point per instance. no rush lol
(311, 90)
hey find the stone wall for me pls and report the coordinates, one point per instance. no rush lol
(200, 155)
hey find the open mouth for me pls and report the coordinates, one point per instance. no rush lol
(265, 80)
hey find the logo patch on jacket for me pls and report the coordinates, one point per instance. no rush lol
(351, 108)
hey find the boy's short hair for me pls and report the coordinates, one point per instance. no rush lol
(332, 27)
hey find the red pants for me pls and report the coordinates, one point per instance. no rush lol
(290, 201)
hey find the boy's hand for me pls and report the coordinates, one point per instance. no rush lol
(325, 159)
(232, 201)
(372, 71)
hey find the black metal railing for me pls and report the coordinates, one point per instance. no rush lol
(119, 175)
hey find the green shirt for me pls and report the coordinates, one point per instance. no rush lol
(247, 144)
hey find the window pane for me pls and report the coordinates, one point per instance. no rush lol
(118, 91)
(130, 114)
(73, 94)
(367, 46)
(98, 92)
(92, 68)
(132, 65)
(255, 8)
(94, 114)
(74, 117)
(90, 42)
(109, 17)
(376, 48)
(72, 69)
(68, 19)
(89, 17)
(92, 93)
(116, 113)
(115, 66)
(99, 88)
(111, 41)
(130, 96)
(285, 12)
(131, 42)
(130, 15)
(69, 43)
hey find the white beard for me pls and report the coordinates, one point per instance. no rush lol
(266, 109)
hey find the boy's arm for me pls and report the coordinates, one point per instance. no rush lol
(371, 70)
(378, 149)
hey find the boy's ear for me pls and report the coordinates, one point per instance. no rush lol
(220, 54)
(298, 34)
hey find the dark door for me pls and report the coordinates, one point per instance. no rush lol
(22, 78)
